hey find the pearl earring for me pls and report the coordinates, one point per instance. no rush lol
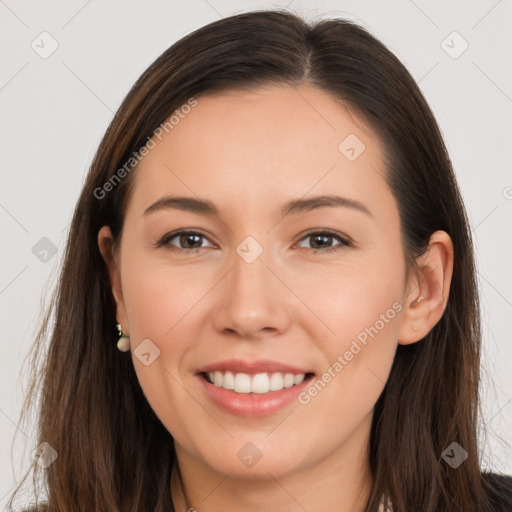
(123, 343)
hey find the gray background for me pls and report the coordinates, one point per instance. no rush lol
(54, 111)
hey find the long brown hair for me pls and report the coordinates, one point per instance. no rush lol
(113, 452)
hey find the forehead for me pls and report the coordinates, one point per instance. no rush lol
(253, 147)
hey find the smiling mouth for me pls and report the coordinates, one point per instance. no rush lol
(260, 383)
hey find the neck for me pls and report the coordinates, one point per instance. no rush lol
(179, 498)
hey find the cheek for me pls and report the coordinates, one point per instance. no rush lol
(160, 304)
(158, 295)
(350, 298)
(361, 309)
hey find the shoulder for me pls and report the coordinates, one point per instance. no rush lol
(499, 490)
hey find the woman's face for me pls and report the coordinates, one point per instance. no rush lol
(261, 280)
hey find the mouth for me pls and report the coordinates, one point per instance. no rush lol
(253, 395)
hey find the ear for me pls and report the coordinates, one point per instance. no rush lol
(427, 290)
(106, 245)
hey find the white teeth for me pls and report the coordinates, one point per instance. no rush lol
(289, 380)
(228, 381)
(242, 383)
(299, 378)
(276, 382)
(260, 383)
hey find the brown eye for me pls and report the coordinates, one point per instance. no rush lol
(184, 241)
(321, 241)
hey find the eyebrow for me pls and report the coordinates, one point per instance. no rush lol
(205, 207)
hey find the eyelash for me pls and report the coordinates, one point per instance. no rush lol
(165, 241)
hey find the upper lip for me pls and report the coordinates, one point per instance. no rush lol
(252, 367)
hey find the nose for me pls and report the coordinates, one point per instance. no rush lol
(253, 300)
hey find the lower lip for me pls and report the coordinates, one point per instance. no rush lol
(253, 405)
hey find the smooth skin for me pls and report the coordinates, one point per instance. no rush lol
(302, 301)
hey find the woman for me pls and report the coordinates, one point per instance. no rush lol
(316, 346)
